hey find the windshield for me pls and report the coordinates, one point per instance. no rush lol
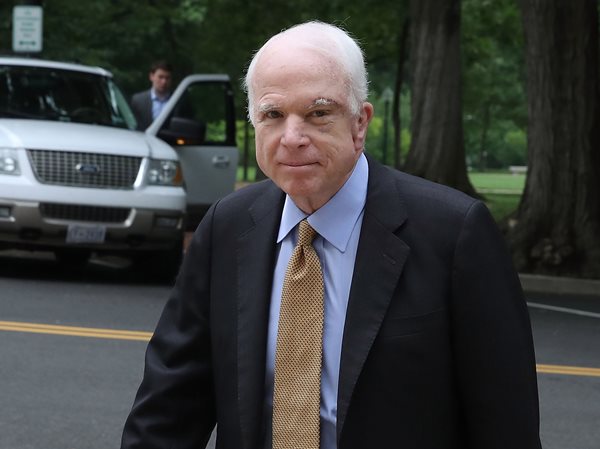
(52, 94)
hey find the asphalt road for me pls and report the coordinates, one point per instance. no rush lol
(570, 404)
(74, 391)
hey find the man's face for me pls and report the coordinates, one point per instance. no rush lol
(307, 141)
(161, 81)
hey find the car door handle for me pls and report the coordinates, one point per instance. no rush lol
(221, 161)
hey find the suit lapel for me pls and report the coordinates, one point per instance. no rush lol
(379, 263)
(255, 262)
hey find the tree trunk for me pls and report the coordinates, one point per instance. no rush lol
(557, 226)
(437, 143)
(403, 38)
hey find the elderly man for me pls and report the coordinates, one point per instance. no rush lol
(339, 304)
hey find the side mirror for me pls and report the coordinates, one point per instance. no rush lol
(183, 131)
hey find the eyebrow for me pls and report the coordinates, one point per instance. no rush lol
(323, 102)
(266, 107)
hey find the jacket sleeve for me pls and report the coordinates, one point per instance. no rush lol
(492, 340)
(175, 404)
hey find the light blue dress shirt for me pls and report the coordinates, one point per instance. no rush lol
(338, 225)
(158, 103)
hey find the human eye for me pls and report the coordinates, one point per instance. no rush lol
(320, 113)
(269, 111)
(273, 114)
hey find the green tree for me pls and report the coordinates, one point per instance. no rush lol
(123, 36)
(494, 105)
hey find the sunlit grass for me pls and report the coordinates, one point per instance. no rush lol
(502, 191)
(502, 181)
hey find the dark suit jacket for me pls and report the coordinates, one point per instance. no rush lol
(437, 348)
(141, 105)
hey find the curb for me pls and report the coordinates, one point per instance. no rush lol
(534, 283)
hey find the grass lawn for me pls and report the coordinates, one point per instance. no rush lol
(501, 204)
(502, 191)
(497, 181)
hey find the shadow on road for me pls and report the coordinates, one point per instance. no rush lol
(44, 266)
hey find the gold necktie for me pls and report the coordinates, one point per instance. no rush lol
(297, 389)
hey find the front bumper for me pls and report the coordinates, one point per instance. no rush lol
(44, 226)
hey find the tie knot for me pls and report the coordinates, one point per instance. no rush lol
(306, 234)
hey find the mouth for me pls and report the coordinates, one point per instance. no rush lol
(298, 164)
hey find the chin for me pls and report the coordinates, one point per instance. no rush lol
(298, 189)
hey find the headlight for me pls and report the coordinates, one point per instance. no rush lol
(164, 173)
(9, 162)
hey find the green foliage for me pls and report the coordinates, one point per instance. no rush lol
(123, 36)
(212, 36)
(244, 141)
(494, 107)
(250, 174)
(375, 136)
(219, 36)
(374, 144)
(511, 150)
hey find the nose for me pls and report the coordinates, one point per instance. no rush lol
(294, 133)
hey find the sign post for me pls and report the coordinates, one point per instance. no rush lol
(27, 28)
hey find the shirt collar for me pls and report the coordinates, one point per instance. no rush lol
(155, 97)
(335, 220)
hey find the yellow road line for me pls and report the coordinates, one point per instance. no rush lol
(568, 370)
(116, 334)
(52, 329)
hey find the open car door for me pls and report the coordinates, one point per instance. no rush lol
(199, 122)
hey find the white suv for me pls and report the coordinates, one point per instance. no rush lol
(75, 177)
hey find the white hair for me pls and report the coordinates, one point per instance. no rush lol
(335, 43)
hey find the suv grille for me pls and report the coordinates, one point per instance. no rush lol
(84, 213)
(68, 168)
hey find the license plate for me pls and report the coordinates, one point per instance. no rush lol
(86, 234)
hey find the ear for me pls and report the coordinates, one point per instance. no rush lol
(361, 125)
